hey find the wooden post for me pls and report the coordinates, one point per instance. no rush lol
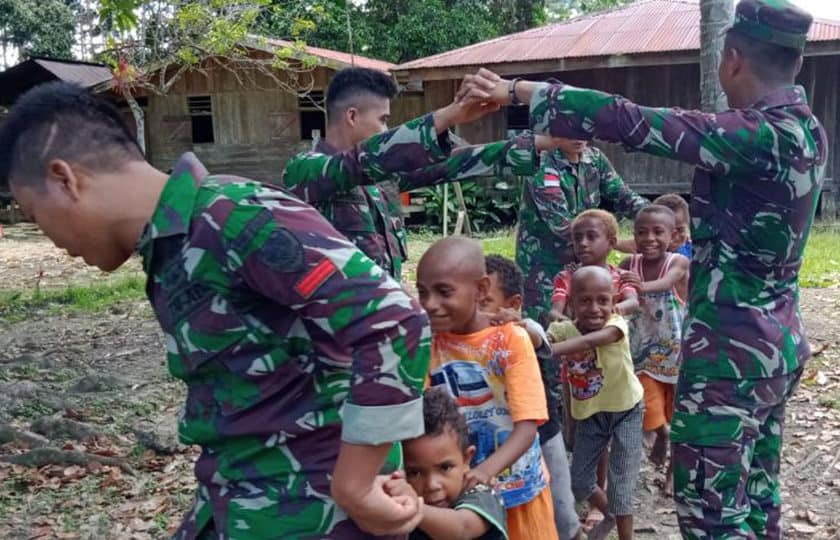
(445, 209)
(463, 215)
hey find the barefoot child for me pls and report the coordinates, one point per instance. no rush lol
(656, 330)
(436, 466)
(504, 301)
(492, 372)
(607, 402)
(682, 238)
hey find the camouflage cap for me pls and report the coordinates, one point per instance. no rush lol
(773, 21)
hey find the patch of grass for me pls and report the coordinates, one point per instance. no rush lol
(821, 267)
(17, 305)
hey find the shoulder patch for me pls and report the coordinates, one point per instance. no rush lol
(317, 276)
(282, 252)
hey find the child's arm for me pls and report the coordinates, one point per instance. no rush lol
(452, 524)
(629, 305)
(677, 272)
(535, 333)
(558, 310)
(520, 439)
(628, 245)
(605, 336)
(440, 523)
(506, 315)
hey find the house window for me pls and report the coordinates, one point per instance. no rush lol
(517, 119)
(201, 117)
(312, 118)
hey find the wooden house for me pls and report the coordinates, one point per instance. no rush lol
(242, 123)
(647, 51)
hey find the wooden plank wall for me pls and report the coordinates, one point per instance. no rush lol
(255, 131)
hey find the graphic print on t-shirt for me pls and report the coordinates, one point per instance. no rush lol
(585, 377)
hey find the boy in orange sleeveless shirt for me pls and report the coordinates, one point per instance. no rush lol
(493, 374)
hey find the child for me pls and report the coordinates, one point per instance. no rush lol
(594, 235)
(682, 240)
(436, 466)
(607, 406)
(504, 301)
(656, 330)
(491, 371)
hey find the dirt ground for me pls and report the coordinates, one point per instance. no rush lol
(94, 389)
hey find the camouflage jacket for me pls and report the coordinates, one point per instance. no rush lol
(289, 339)
(759, 173)
(371, 215)
(559, 191)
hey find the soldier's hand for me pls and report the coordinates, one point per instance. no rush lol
(382, 514)
(483, 86)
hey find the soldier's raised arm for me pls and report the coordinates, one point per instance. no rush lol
(316, 177)
(728, 142)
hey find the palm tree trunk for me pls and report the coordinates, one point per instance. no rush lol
(715, 15)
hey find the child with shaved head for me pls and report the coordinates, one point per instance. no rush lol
(606, 399)
(492, 372)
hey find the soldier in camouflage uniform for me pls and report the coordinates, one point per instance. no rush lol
(760, 168)
(370, 215)
(303, 360)
(571, 179)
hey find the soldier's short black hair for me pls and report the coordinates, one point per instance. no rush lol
(349, 84)
(656, 209)
(440, 411)
(509, 275)
(60, 120)
(769, 62)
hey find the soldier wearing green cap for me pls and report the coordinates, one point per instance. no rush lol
(759, 171)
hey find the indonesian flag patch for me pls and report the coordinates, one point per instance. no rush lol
(551, 178)
(316, 277)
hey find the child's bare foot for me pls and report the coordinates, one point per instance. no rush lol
(659, 453)
(602, 530)
(593, 518)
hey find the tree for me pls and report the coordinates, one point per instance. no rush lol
(151, 44)
(43, 28)
(517, 15)
(560, 10)
(714, 16)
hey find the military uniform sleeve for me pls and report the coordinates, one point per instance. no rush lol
(625, 201)
(724, 143)
(316, 177)
(353, 312)
(515, 156)
(549, 200)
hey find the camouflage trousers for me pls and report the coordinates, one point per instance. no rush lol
(539, 286)
(727, 441)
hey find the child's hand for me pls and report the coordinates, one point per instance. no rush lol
(477, 476)
(397, 486)
(504, 316)
(632, 279)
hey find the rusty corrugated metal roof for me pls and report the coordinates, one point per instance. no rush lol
(342, 58)
(81, 73)
(647, 26)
